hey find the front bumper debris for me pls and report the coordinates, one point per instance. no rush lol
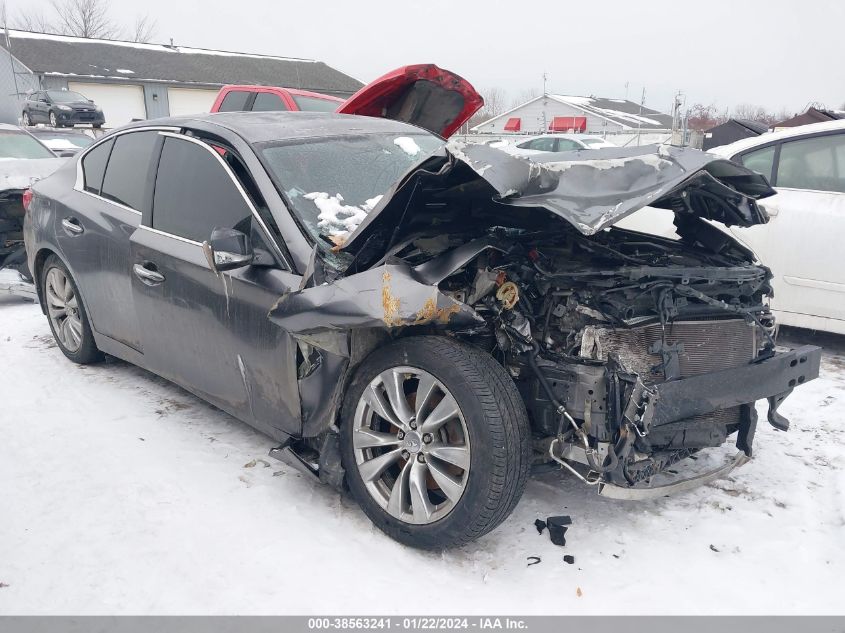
(640, 493)
(13, 283)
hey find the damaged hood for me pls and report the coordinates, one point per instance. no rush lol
(20, 173)
(590, 189)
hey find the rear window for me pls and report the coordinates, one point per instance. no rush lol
(234, 101)
(22, 145)
(94, 166)
(315, 104)
(268, 102)
(125, 181)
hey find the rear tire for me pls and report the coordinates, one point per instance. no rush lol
(27, 122)
(54, 122)
(66, 313)
(451, 485)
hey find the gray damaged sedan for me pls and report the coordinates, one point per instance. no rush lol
(418, 321)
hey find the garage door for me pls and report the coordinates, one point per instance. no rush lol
(120, 102)
(190, 100)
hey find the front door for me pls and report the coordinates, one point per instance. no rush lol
(204, 330)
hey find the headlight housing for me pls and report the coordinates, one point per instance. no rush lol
(64, 107)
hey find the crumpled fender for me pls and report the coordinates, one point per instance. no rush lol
(388, 296)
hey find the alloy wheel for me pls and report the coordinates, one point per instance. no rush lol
(63, 310)
(26, 120)
(411, 445)
(53, 121)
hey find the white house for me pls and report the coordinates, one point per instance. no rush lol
(586, 115)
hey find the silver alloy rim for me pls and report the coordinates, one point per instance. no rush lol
(53, 120)
(63, 308)
(411, 445)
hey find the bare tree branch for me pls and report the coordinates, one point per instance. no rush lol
(143, 30)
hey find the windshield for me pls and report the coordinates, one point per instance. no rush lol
(315, 104)
(332, 183)
(22, 145)
(65, 96)
(56, 142)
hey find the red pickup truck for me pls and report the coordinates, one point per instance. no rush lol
(269, 98)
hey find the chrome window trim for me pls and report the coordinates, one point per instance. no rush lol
(79, 185)
(166, 234)
(240, 189)
(112, 202)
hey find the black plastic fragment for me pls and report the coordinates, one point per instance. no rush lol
(540, 525)
(569, 559)
(557, 529)
(533, 560)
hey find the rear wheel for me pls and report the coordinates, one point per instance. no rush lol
(435, 441)
(54, 122)
(66, 313)
(26, 120)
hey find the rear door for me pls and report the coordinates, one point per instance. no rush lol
(93, 230)
(801, 241)
(207, 331)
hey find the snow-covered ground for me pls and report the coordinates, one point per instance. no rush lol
(120, 493)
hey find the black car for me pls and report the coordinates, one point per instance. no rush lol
(421, 322)
(64, 143)
(61, 108)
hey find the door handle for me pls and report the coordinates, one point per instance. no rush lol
(146, 273)
(72, 226)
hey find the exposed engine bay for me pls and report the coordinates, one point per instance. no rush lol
(15, 277)
(631, 351)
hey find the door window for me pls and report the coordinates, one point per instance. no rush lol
(314, 104)
(543, 144)
(194, 194)
(760, 161)
(814, 163)
(234, 101)
(566, 145)
(94, 166)
(125, 181)
(268, 102)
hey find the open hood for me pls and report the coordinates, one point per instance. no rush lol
(589, 189)
(423, 94)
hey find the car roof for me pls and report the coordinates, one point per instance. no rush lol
(259, 127)
(293, 91)
(771, 137)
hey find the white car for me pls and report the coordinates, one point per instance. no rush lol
(556, 143)
(804, 239)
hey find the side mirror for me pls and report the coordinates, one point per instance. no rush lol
(227, 249)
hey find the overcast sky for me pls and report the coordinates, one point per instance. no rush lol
(775, 53)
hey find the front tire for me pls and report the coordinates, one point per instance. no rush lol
(435, 441)
(66, 313)
(27, 122)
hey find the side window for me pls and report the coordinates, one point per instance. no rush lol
(234, 101)
(94, 166)
(566, 145)
(543, 144)
(194, 194)
(760, 161)
(813, 163)
(125, 181)
(268, 102)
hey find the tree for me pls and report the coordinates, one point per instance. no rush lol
(144, 29)
(84, 18)
(494, 105)
(703, 117)
(525, 96)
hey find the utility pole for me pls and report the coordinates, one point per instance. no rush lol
(545, 77)
(639, 120)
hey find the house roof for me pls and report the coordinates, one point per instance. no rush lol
(626, 113)
(754, 126)
(63, 55)
(812, 115)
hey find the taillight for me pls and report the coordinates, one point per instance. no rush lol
(27, 199)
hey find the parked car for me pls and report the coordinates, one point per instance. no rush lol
(64, 143)
(556, 143)
(421, 321)
(61, 108)
(805, 220)
(806, 167)
(23, 160)
(272, 99)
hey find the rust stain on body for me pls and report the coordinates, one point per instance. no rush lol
(390, 303)
(430, 312)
